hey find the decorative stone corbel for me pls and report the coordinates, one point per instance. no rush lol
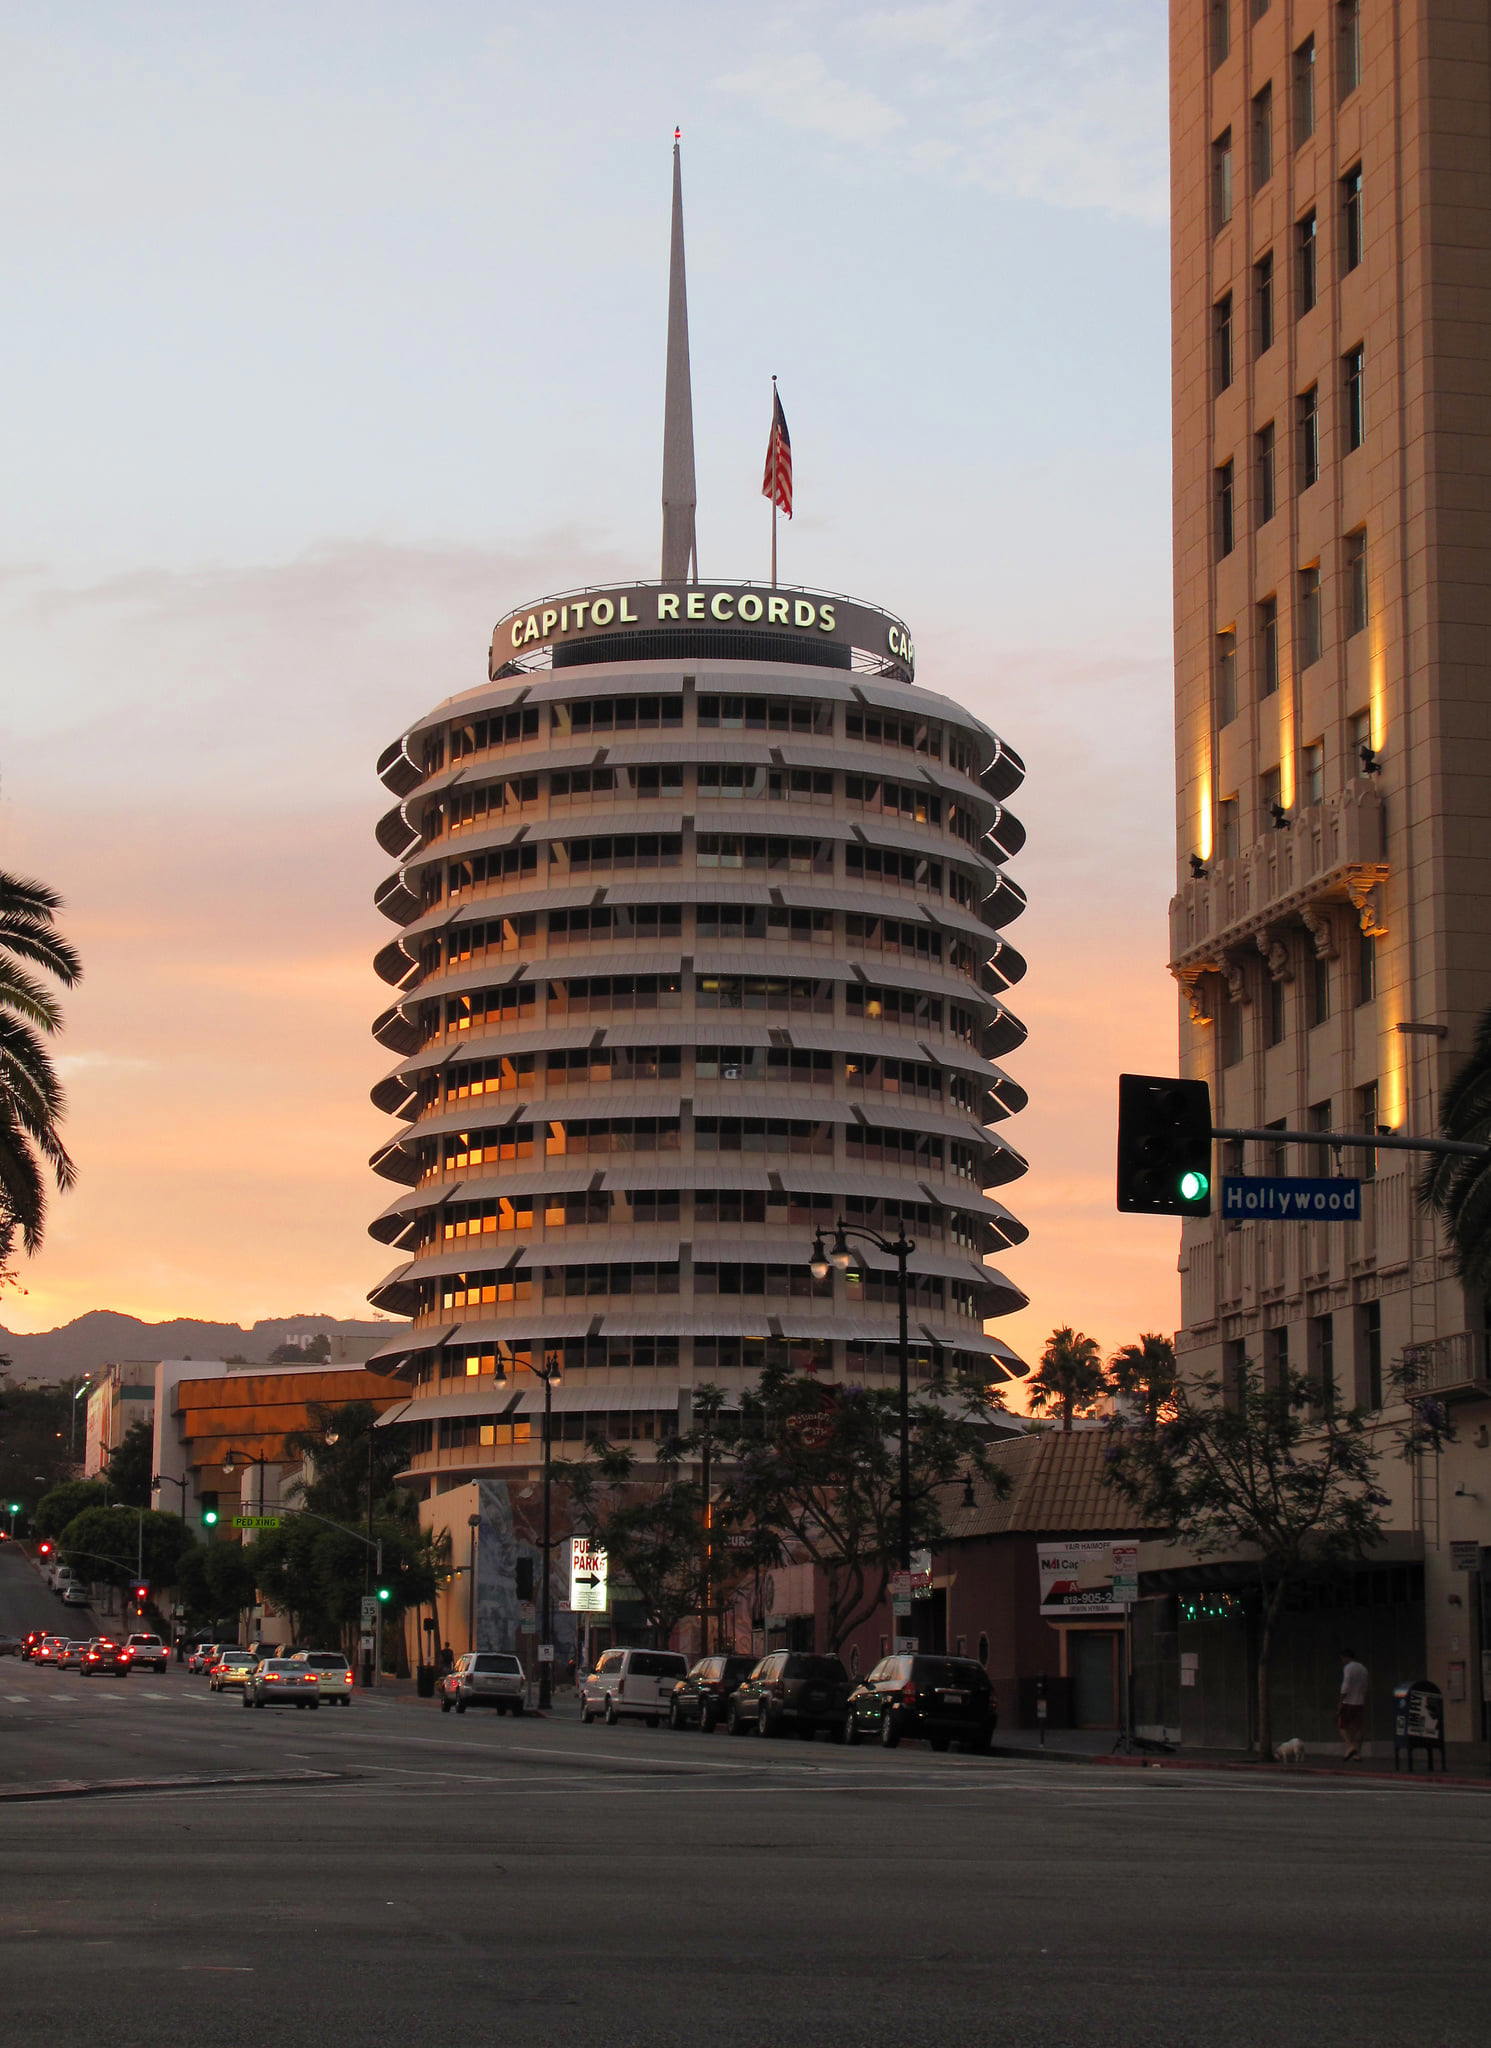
(1193, 980)
(1363, 886)
(1320, 923)
(1239, 981)
(1276, 954)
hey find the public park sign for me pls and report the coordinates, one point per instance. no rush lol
(587, 1577)
(1253, 1198)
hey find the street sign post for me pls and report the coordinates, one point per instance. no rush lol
(256, 1521)
(369, 1612)
(1280, 1198)
(588, 1575)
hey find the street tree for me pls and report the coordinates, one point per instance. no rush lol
(65, 1502)
(347, 1450)
(34, 1449)
(1457, 1189)
(1143, 1373)
(319, 1575)
(1260, 1467)
(131, 1466)
(815, 1471)
(108, 1546)
(214, 1582)
(31, 1099)
(1069, 1379)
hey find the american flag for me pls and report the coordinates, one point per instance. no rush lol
(776, 484)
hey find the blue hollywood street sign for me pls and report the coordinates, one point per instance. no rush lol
(1255, 1197)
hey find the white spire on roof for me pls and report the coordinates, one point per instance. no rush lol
(680, 494)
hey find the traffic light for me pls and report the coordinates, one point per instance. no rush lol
(385, 1594)
(209, 1510)
(139, 1594)
(44, 1549)
(1164, 1146)
(523, 1576)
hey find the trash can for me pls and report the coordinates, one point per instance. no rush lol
(424, 1681)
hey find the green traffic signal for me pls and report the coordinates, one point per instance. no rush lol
(209, 1517)
(15, 1507)
(385, 1593)
(1194, 1187)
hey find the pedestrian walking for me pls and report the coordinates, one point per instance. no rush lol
(1351, 1713)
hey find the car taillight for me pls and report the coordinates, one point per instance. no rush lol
(910, 1694)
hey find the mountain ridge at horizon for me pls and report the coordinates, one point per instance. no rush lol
(106, 1336)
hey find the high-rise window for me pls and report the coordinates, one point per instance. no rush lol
(1309, 616)
(1354, 396)
(1306, 249)
(1356, 582)
(1268, 646)
(1263, 137)
(1229, 841)
(1276, 1010)
(1221, 31)
(1366, 1121)
(1366, 967)
(1221, 342)
(1263, 304)
(1321, 1343)
(1304, 91)
(1263, 465)
(1369, 1354)
(1318, 989)
(1351, 218)
(1226, 520)
(1230, 1045)
(1312, 773)
(1221, 181)
(1348, 46)
(1270, 799)
(1275, 1357)
(1307, 431)
(1226, 688)
(1360, 728)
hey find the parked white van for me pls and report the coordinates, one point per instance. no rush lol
(631, 1682)
(62, 1576)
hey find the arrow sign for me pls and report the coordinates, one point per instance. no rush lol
(588, 1574)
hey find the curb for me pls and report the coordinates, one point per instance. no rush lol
(84, 1788)
(1338, 1775)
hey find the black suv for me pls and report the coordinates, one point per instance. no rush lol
(790, 1689)
(699, 1699)
(941, 1699)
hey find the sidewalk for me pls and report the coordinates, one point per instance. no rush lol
(1468, 1764)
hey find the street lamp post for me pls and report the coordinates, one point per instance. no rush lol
(161, 1479)
(82, 1388)
(369, 1667)
(473, 1523)
(838, 1257)
(233, 1459)
(551, 1374)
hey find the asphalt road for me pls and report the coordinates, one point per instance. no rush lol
(386, 1874)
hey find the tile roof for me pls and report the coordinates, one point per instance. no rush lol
(1059, 1487)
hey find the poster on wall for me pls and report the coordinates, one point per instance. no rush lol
(1083, 1580)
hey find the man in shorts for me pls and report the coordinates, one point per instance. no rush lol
(1351, 1714)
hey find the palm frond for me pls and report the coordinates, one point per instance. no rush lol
(43, 947)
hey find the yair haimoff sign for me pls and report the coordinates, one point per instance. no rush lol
(809, 616)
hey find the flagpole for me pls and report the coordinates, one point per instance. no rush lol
(776, 456)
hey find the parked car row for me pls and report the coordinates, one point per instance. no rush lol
(940, 1700)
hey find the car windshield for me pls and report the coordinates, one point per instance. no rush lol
(658, 1664)
(509, 1666)
(816, 1667)
(238, 1657)
(278, 1664)
(324, 1660)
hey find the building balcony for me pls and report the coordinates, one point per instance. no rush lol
(1455, 1368)
(1330, 855)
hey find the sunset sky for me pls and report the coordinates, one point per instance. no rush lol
(334, 332)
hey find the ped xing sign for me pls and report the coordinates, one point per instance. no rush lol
(256, 1521)
(1260, 1197)
(588, 1573)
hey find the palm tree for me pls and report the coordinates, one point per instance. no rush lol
(31, 1102)
(1145, 1372)
(1069, 1378)
(1458, 1190)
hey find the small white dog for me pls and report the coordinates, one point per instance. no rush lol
(1291, 1752)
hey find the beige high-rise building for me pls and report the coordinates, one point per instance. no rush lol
(1332, 926)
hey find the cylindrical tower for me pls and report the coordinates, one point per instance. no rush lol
(699, 902)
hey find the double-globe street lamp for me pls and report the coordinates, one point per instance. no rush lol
(551, 1375)
(837, 1257)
